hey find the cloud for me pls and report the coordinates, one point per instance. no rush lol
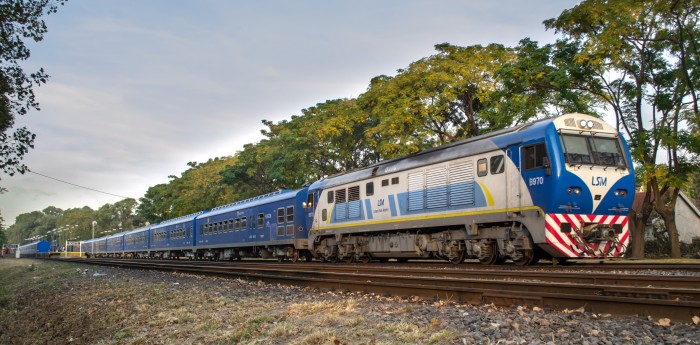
(138, 89)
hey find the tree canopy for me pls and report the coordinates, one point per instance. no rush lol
(19, 20)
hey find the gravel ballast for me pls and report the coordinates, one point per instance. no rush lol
(46, 302)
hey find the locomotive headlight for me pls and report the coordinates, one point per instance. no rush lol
(589, 124)
(621, 193)
(582, 124)
(574, 190)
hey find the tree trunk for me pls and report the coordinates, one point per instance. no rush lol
(667, 211)
(637, 243)
(639, 221)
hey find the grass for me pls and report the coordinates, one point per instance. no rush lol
(132, 307)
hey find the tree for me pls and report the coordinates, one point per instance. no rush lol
(439, 99)
(19, 20)
(641, 59)
(325, 139)
(199, 188)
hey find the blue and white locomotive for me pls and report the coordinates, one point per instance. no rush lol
(555, 188)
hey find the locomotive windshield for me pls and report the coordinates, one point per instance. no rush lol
(592, 150)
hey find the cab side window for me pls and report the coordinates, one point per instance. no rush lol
(534, 156)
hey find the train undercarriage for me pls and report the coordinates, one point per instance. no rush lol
(490, 244)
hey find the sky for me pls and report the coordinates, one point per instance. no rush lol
(140, 88)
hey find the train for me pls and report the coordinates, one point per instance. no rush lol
(557, 188)
(38, 249)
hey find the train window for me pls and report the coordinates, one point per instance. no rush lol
(481, 167)
(324, 215)
(280, 230)
(606, 151)
(237, 224)
(497, 164)
(330, 197)
(310, 201)
(244, 223)
(395, 180)
(290, 214)
(229, 225)
(534, 156)
(576, 149)
(354, 193)
(385, 183)
(369, 189)
(280, 215)
(340, 196)
(261, 220)
(592, 150)
(290, 229)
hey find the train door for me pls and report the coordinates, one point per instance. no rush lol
(513, 183)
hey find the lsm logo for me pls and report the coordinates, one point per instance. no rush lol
(599, 181)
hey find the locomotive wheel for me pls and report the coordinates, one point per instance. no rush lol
(459, 258)
(490, 255)
(526, 258)
(366, 259)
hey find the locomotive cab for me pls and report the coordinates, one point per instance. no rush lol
(586, 214)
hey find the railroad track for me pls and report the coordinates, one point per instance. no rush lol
(674, 297)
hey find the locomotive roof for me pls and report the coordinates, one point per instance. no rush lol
(475, 145)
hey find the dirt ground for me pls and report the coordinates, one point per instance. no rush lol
(46, 302)
(52, 302)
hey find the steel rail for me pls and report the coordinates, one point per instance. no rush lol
(645, 280)
(677, 304)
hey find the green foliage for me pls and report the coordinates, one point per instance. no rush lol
(326, 139)
(19, 20)
(199, 188)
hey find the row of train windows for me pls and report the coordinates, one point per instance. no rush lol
(178, 233)
(132, 240)
(241, 224)
(160, 236)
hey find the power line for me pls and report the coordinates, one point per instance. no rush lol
(77, 185)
